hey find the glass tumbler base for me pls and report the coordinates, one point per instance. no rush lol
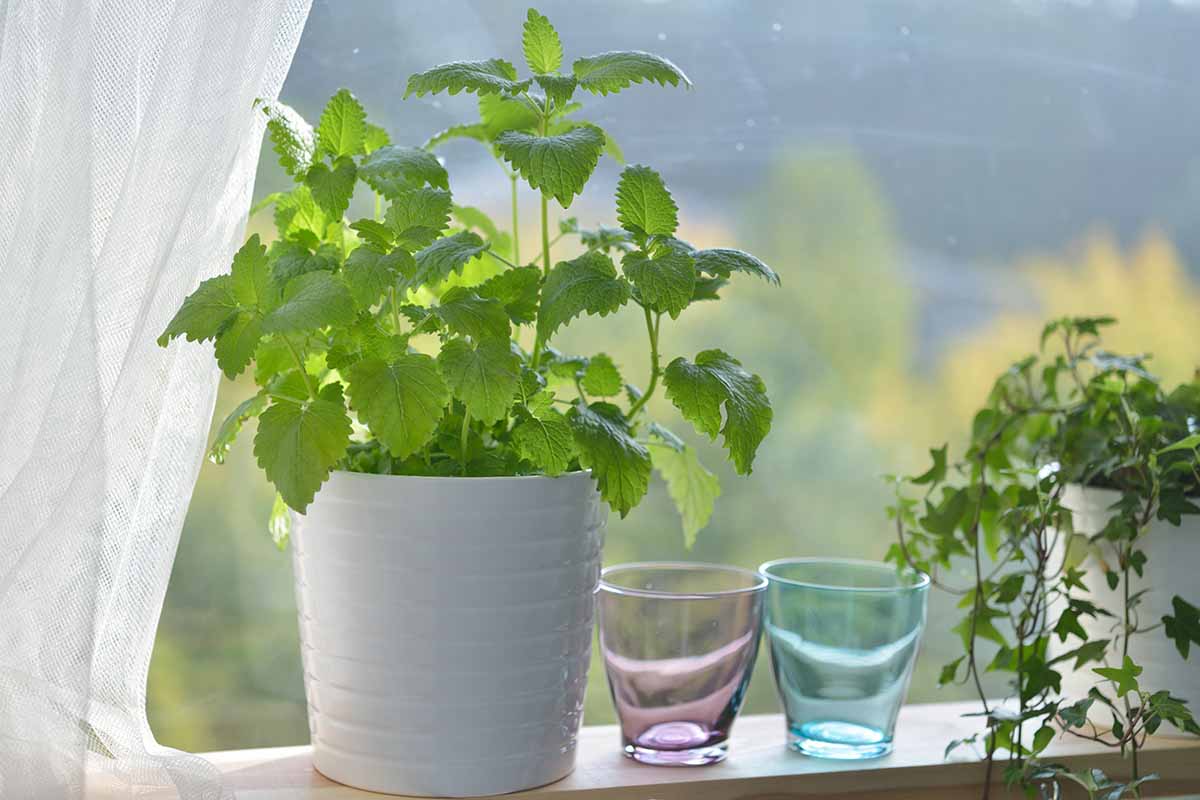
(838, 740)
(677, 744)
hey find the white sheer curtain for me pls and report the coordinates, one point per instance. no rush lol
(128, 146)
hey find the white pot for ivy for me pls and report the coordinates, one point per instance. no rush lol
(1173, 554)
(446, 628)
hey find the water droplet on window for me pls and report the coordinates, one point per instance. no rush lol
(905, 30)
(739, 147)
(437, 103)
(750, 123)
(354, 51)
(777, 26)
(662, 37)
(951, 240)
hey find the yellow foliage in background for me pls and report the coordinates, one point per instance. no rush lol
(1147, 288)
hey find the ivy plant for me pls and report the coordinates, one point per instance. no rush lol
(1073, 414)
(418, 341)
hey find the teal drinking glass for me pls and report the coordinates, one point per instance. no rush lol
(843, 636)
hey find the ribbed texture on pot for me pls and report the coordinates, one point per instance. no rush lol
(446, 628)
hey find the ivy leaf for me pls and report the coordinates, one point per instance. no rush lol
(700, 389)
(601, 377)
(558, 165)
(400, 400)
(1125, 676)
(545, 440)
(619, 463)
(393, 170)
(475, 131)
(484, 376)
(204, 313)
(297, 444)
(611, 72)
(332, 188)
(481, 77)
(291, 137)
(692, 488)
(1183, 627)
(311, 301)
(588, 283)
(369, 273)
(543, 49)
(937, 473)
(723, 261)
(418, 216)
(447, 255)
(468, 314)
(644, 206)
(517, 290)
(499, 114)
(374, 137)
(665, 282)
(231, 426)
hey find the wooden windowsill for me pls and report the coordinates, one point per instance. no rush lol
(759, 767)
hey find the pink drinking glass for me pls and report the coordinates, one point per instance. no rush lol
(679, 642)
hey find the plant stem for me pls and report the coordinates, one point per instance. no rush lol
(395, 310)
(308, 384)
(1133, 744)
(652, 326)
(463, 439)
(516, 234)
(500, 258)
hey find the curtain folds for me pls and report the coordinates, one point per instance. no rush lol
(128, 147)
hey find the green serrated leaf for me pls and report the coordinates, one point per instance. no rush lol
(619, 463)
(400, 400)
(235, 346)
(481, 77)
(297, 444)
(499, 114)
(644, 206)
(311, 301)
(468, 314)
(559, 88)
(588, 283)
(611, 72)
(343, 125)
(418, 216)
(291, 137)
(374, 233)
(298, 212)
(369, 273)
(665, 283)
(517, 290)
(374, 137)
(601, 377)
(204, 313)
(250, 275)
(545, 440)
(723, 261)
(474, 131)
(447, 255)
(540, 42)
(394, 170)
(700, 389)
(484, 376)
(692, 488)
(291, 259)
(231, 426)
(333, 188)
(558, 165)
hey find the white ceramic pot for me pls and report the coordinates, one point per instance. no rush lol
(446, 628)
(1173, 560)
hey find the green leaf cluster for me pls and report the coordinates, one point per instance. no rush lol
(415, 340)
(1072, 414)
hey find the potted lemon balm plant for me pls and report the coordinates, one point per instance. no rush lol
(451, 472)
